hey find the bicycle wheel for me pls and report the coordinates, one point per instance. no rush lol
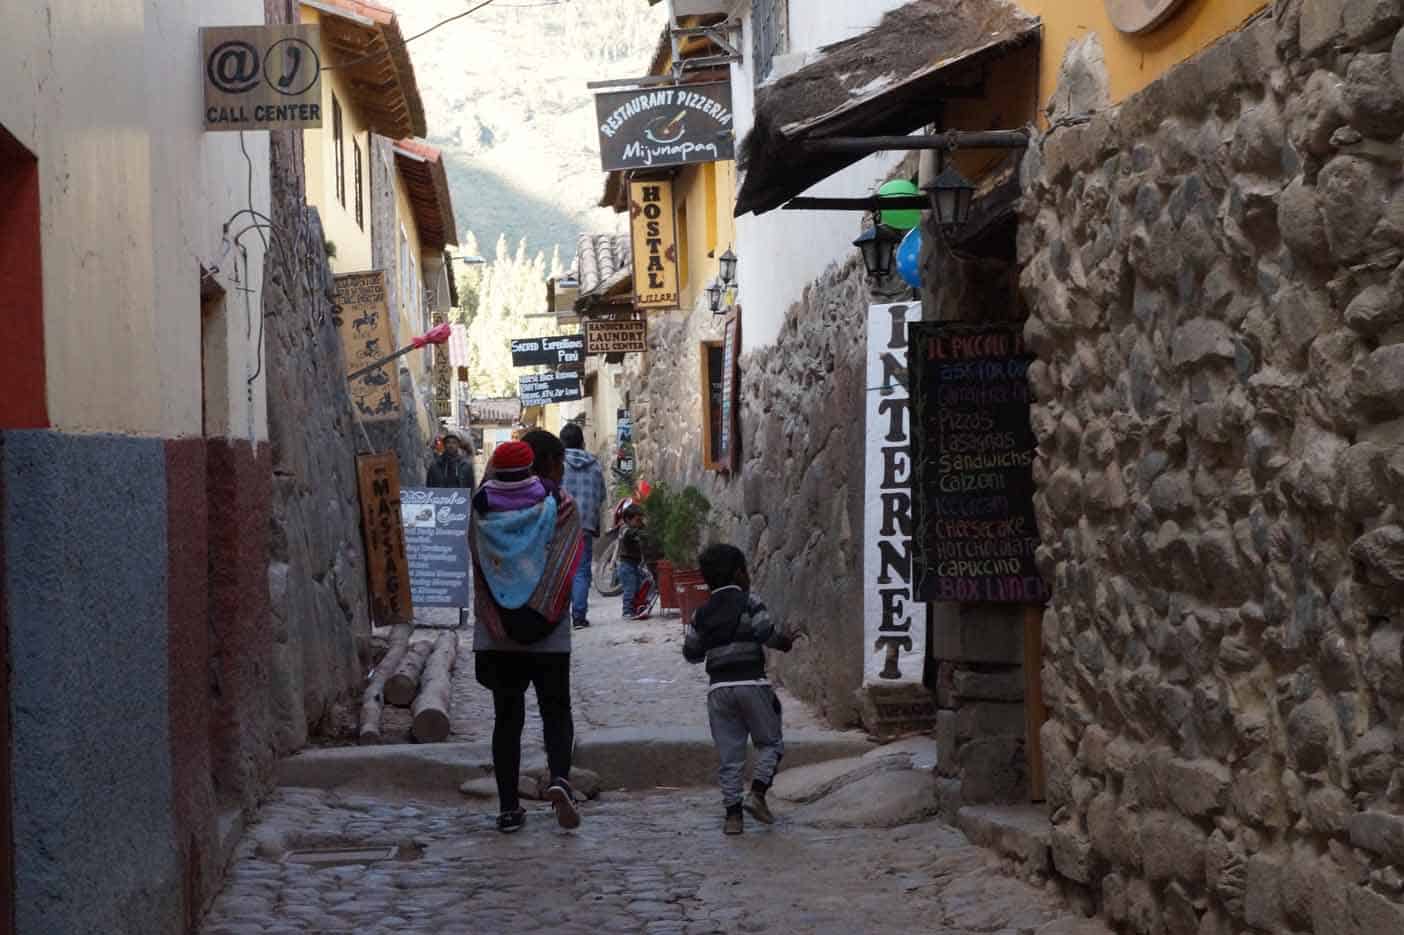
(607, 571)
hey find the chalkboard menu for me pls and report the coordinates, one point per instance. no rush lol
(974, 450)
(436, 542)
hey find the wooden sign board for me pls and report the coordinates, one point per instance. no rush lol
(262, 77)
(728, 447)
(653, 239)
(606, 336)
(1138, 16)
(362, 318)
(564, 352)
(378, 480)
(662, 126)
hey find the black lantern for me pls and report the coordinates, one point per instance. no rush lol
(951, 195)
(728, 267)
(714, 297)
(878, 244)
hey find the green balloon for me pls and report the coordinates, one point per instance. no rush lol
(903, 220)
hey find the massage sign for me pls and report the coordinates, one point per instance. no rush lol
(652, 128)
(975, 534)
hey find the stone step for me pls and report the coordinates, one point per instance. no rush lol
(624, 758)
(1021, 833)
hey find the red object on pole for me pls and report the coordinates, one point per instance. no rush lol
(439, 334)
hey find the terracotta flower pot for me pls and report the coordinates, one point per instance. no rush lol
(691, 590)
(667, 597)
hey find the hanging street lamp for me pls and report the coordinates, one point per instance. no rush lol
(951, 197)
(878, 244)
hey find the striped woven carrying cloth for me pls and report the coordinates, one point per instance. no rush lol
(551, 596)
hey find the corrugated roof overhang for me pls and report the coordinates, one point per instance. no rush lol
(363, 41)
(422, 168)
(886, 82)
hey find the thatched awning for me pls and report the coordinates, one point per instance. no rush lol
(421, 166)
(887, 82)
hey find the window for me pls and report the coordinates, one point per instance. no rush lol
(339, 151)
(770, 26)
(682, 245)
(709, 186)
(360, 209)
(713, 387)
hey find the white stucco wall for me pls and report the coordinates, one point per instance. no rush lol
(783, 251)
(107, 94)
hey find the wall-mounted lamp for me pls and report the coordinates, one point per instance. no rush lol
(714, 297)
(878, 245)
(728, 267)
(951, 197)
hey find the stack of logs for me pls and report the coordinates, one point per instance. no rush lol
(417, 675)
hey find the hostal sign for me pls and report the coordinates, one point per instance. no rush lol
(655, 251)
(647, 129)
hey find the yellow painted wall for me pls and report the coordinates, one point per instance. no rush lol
(707, 206)
(1133, 61)
(353, 242)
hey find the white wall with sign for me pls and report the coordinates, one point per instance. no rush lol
(894, 626)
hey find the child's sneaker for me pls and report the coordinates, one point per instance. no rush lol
(760, 811)
(735, 823)
(562, 799)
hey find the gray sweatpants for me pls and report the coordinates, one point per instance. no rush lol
(737, 712)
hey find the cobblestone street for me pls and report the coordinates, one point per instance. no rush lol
(654, 863)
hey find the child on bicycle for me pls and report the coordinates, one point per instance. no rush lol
(631, 557)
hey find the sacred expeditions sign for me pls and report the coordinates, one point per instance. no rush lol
(975, 530)
(655, 127)
(565, 351)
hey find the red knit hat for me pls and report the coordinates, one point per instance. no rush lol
(512, 456)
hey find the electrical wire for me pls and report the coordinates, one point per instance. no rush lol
(381, 53)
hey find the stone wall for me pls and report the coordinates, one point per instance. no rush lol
(796, 505)
(317, 574)
(1214, 277)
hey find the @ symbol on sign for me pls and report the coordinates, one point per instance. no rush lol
(233, 66)
(300, 66)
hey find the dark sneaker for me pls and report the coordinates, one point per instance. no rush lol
(735, 823)
(562, 799)
(509, 822)
(582, 624)
(760, 811)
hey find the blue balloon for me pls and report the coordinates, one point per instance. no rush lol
(909, 258)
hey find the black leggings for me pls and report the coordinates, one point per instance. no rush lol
(507, 676)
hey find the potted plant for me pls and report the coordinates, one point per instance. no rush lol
(676, 520)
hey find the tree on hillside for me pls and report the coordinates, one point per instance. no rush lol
(496, 299)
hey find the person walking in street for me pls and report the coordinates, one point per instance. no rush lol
(451, 468)
(730, 633)
(631, 558)
(526, 544)
(584, 480)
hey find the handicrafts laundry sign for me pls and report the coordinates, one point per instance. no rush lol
(975, 528)
(362, 318)
(656, 127)
(894, 627)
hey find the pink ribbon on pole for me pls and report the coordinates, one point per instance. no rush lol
(439, 334)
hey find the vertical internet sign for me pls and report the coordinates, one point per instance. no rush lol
(655, 250)
(894, 627)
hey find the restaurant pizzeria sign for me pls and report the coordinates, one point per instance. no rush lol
(655, 127)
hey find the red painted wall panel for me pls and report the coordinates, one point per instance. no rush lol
(22, 389)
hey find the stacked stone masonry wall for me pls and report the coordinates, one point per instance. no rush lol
(795, 507)
(1217, 301)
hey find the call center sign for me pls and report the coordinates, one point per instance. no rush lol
(262, 77)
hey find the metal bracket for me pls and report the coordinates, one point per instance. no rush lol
(720, 36)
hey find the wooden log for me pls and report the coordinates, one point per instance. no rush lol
(373, 699)
(431, 708)
(403, 685)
